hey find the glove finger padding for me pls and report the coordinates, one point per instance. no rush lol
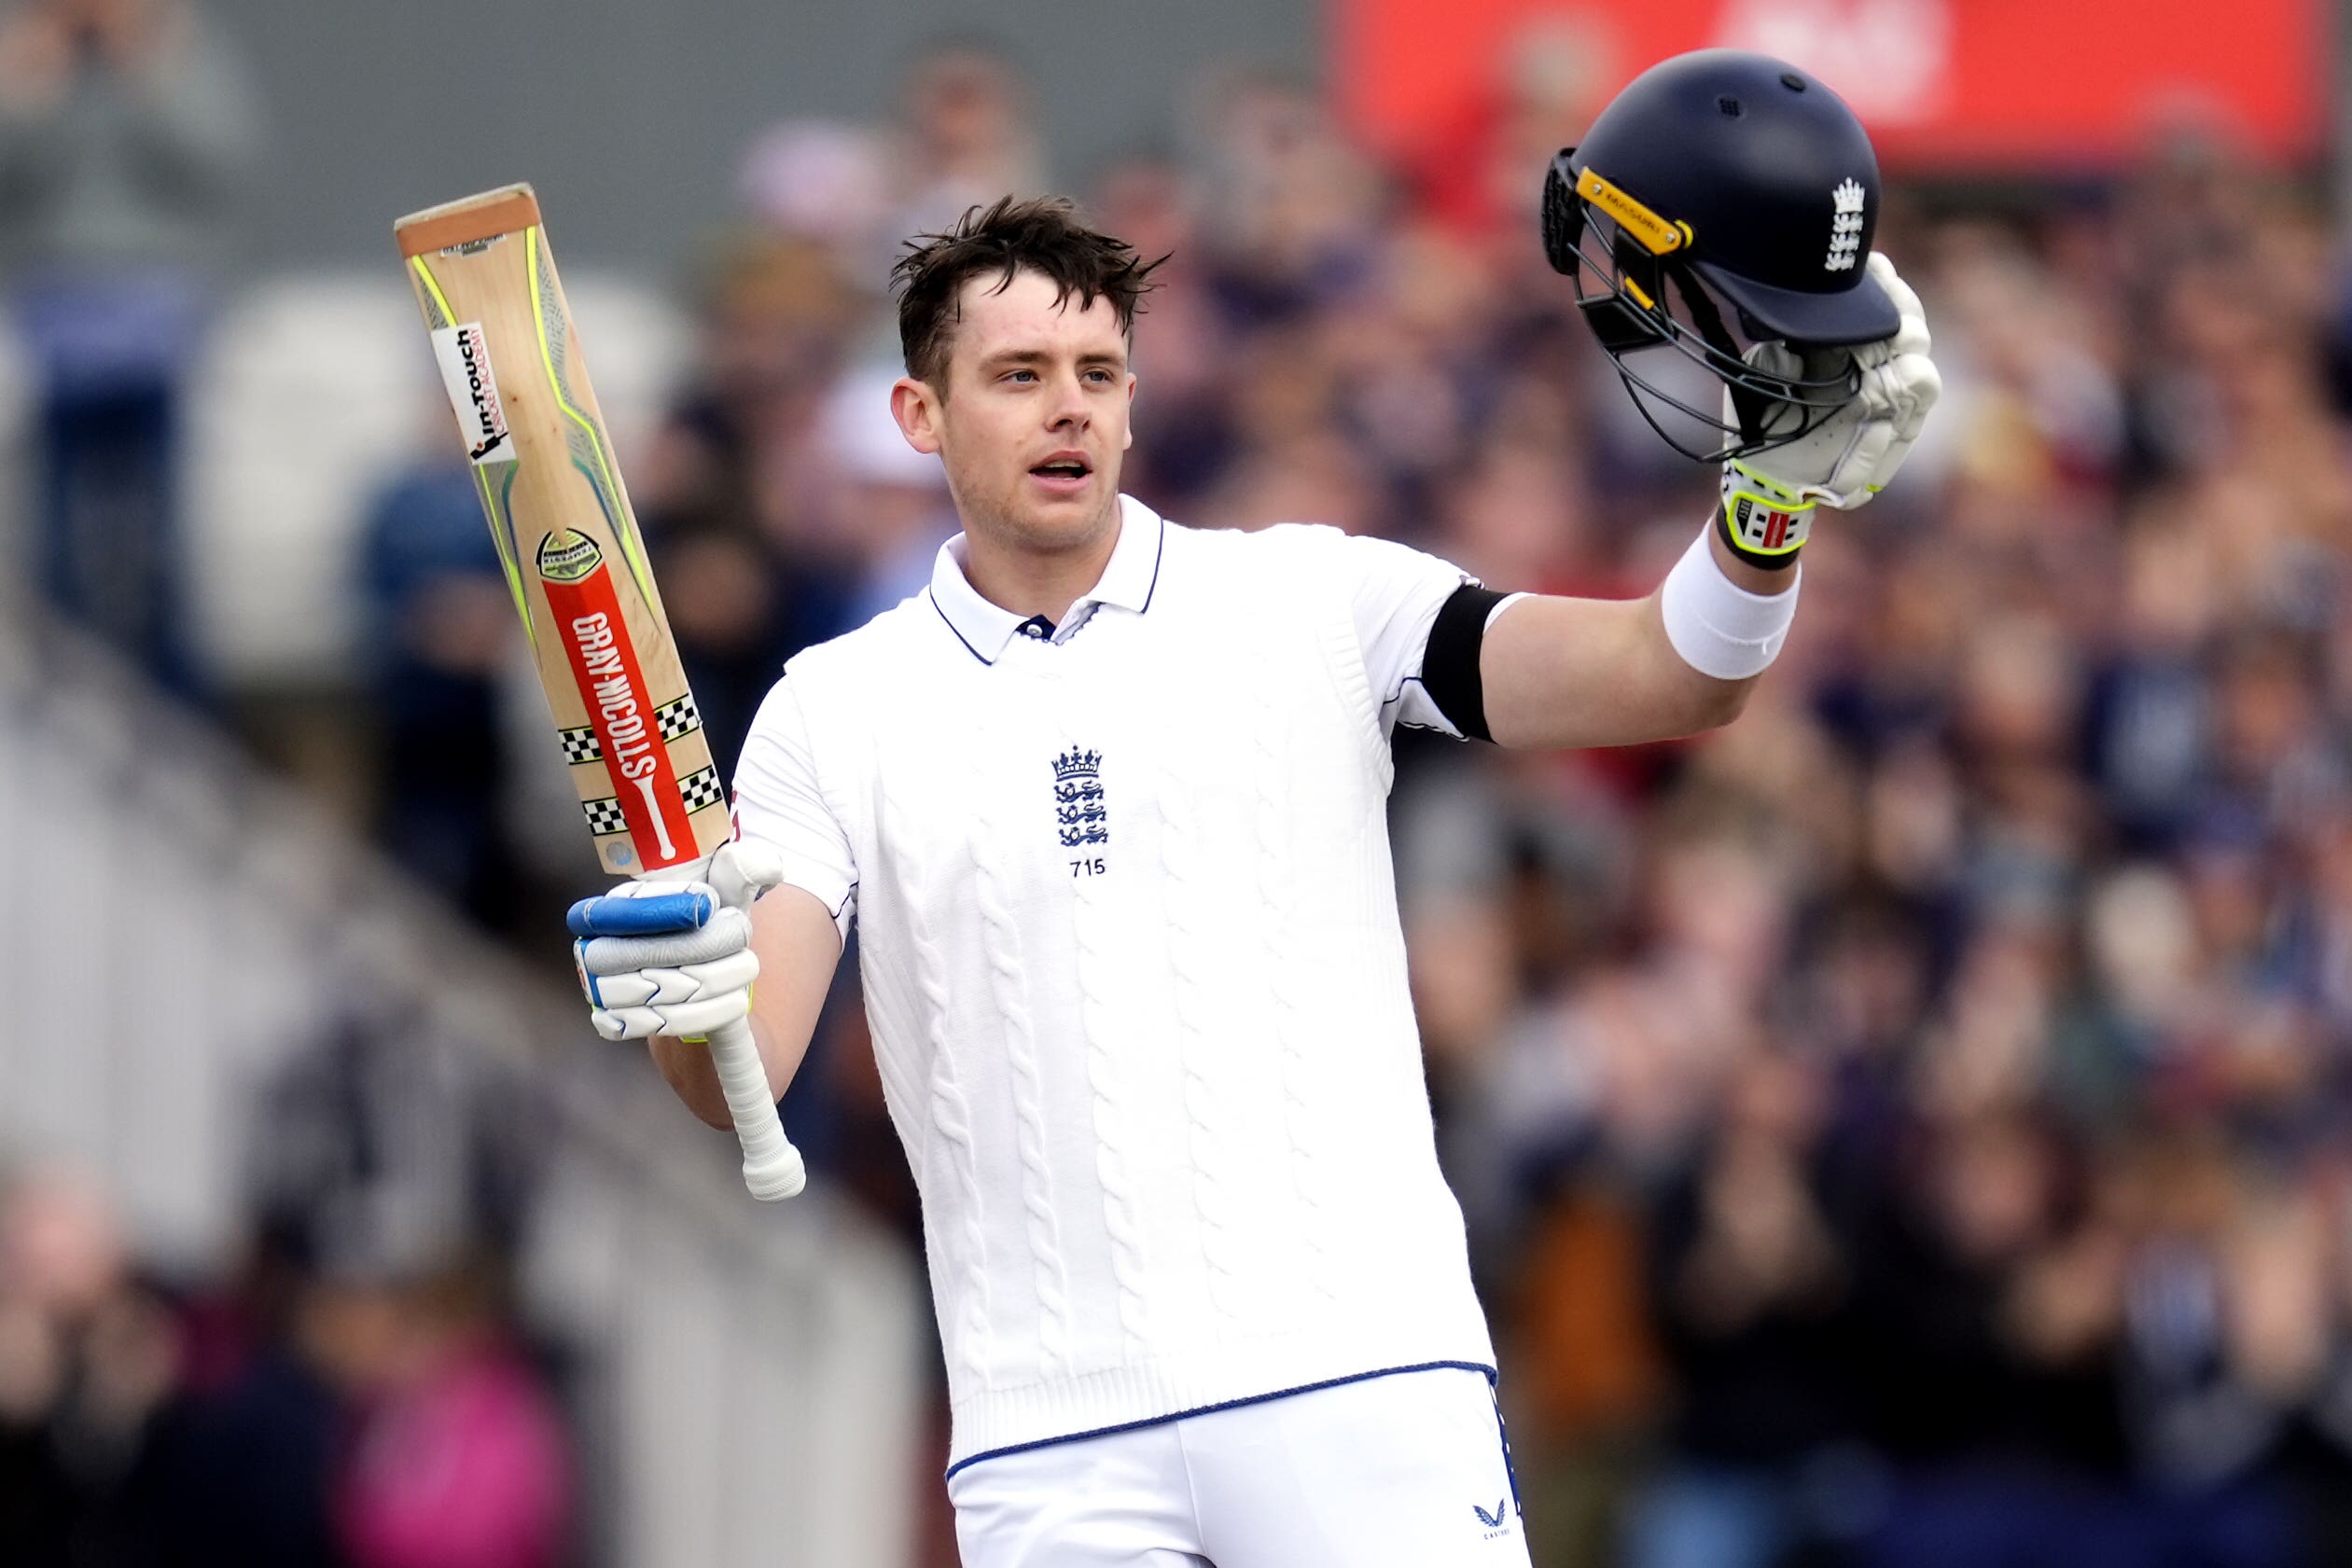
(634, 908)
(688, 1000)
(1911, 337)
(1855, 477)
(728, 932)
(661, 986)
(1920, 385)
(685, 1020)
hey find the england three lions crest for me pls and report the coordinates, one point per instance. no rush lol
(1846, 226)
(1077, 798)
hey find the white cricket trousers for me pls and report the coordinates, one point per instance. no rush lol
(1401, 1470)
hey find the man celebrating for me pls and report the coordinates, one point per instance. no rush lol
(1107, 801)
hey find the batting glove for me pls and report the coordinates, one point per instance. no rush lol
(673, 955)
(1768, 499)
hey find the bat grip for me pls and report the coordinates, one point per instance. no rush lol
(772, 1166)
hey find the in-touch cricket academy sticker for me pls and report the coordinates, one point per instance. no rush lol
(464, 353)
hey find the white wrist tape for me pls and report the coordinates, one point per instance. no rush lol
(1718, 627)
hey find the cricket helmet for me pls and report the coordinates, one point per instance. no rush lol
(1723, 190)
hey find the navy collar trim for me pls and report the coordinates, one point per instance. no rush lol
(1129, 580)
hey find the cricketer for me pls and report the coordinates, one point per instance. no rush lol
(1107, 804)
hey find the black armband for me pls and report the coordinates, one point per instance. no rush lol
(1449, 666)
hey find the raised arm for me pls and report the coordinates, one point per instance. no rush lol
(1564, 671)
(1600, 673)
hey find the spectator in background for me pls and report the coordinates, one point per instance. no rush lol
(963, 136)
(1297, 202)
(1550, 76)
(88, 1359)
(441, 628)
(1179, 345)
(740, 495)
(126, 137)
(244, 1463)
(458, 1458)
(812, 179)
(369, 1349)
(1753, 1277)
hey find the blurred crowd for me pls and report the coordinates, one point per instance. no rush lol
(353, 1389)
(1907, 1126)
(353, 1392)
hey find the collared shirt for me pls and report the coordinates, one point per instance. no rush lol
(1133, 967)
(985, 626)
(1395, 593)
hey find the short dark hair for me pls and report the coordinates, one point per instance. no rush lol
(1042, 234)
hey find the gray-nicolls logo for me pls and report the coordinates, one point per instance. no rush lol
(1845, 228)
(1077, 798)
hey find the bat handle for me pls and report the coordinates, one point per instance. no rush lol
(772, 1166)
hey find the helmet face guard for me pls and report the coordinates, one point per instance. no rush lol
(1629, 265)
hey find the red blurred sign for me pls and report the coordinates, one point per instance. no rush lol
(1941, 83)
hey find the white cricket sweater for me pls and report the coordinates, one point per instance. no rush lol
(1131, 955)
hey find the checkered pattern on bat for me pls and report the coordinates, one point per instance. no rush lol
(672, 719)
(677, 718)
(701, 789)
(604, 817)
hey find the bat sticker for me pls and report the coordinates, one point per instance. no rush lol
(627, 721)
(464, 353)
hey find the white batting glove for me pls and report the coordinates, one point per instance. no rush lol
(673, 955)
(1849, 456)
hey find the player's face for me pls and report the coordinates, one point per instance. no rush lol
(1035, 414)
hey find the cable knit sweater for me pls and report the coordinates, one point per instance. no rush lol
(1130, 947)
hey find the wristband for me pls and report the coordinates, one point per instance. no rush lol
(1764, 523)
(1719, 627)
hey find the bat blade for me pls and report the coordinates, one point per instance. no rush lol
(575, 565)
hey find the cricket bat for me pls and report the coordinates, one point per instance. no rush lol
(575, 565)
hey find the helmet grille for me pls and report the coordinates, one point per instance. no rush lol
(1628, 314)
(1563, 216)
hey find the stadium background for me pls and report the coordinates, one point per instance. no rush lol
(1908, 1127)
